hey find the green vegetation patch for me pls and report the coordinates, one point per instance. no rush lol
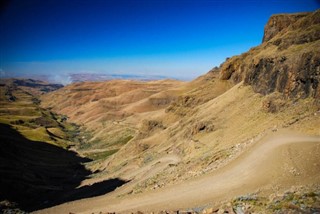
(102, 155)
(121, 140)
(114, 140)
(38, 134)
(57, 133)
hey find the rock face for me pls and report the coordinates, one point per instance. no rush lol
(279, 22)
(288, 60)
(292, 79)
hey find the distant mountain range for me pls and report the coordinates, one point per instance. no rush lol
(66, 79)
(84, 77)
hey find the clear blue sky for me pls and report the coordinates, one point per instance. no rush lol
(175, 38)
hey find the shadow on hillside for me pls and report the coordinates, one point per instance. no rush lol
(38, 175)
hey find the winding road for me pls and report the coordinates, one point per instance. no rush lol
(279, 161)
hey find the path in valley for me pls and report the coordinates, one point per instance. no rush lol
(267, 164)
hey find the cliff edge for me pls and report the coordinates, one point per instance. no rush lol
(288, 60)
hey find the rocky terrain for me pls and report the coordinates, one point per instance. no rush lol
(243, 138)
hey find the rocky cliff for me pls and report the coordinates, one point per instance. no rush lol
(288, 60)
(279, 22)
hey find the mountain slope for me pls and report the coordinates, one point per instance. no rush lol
(172, 137)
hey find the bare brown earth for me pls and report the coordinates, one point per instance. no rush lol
(276, 162)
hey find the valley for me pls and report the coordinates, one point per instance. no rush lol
(242, 138)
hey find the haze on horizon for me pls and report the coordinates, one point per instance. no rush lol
(178, 39)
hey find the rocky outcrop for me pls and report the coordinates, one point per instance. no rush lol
(299, 78)
(288, 60)
(150, 125)
(279, 22)
(198, 127)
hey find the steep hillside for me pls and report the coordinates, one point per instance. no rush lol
(166, 137)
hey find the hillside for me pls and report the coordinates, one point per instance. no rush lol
(244, 137)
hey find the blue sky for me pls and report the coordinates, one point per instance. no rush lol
(175, 38)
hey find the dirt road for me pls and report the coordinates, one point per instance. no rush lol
(277, 161)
